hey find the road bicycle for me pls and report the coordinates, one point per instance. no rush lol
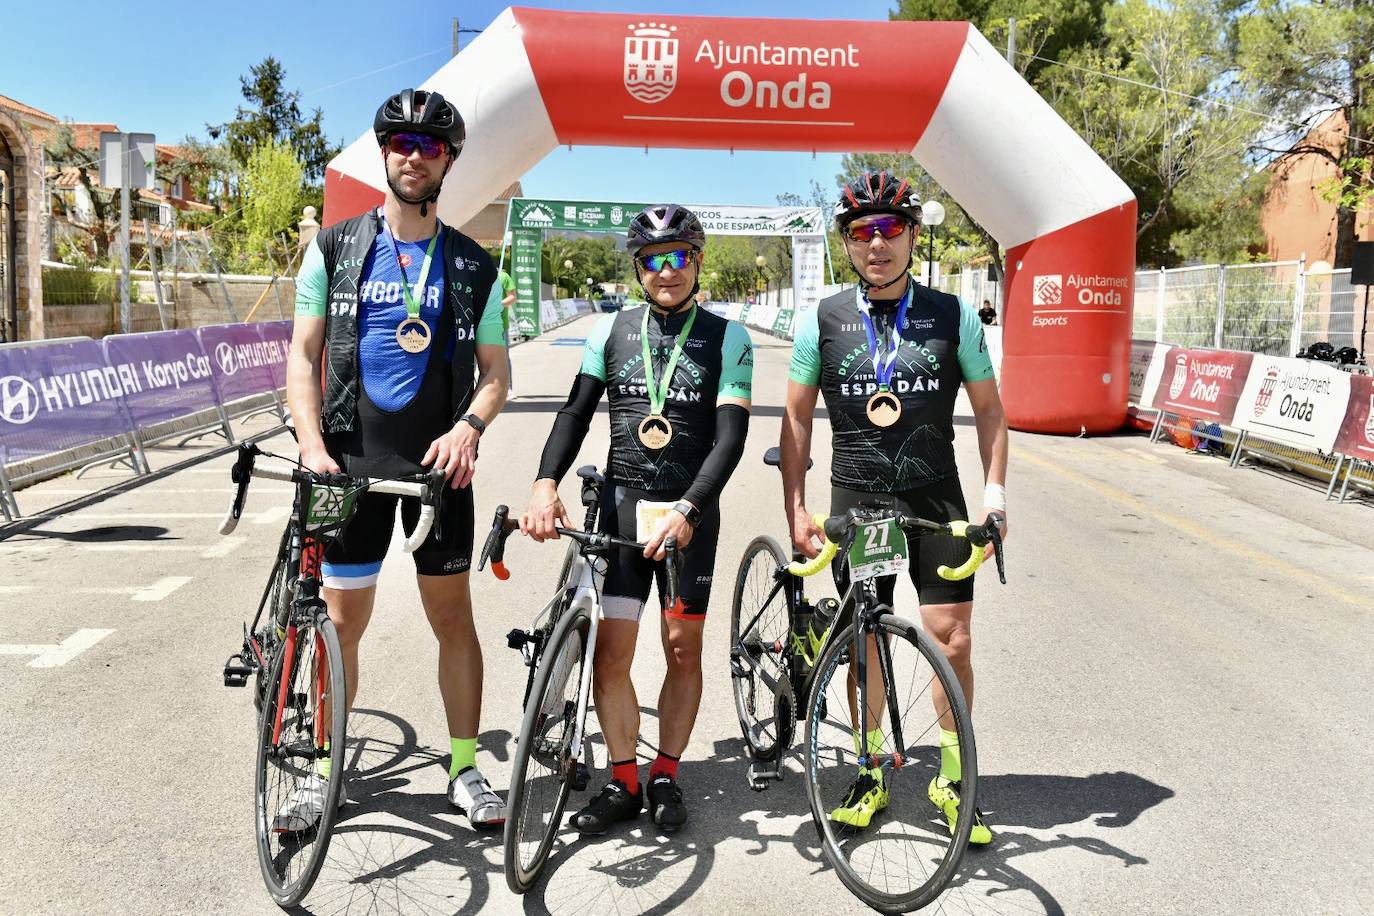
(784, 649)
(291, 651)
(551, 754)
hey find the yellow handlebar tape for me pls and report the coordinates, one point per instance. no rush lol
(970, 566)
(821, 560)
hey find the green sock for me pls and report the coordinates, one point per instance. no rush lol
(875, 742)
(950, 768)
(324, 765)
(464, 755)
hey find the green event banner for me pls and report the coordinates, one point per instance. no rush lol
(524, 260)
(576, 215)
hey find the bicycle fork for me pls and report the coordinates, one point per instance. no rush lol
(866, 628)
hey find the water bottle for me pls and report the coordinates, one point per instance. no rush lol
(821, 620)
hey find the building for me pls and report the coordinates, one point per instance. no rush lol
(488, 227)
(1296, 220)
(21, 221)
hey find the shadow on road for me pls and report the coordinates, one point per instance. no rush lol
(396, 850)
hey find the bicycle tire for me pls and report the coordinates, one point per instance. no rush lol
(546, 787)
(760, 660)
(291, 861)
(910, 819)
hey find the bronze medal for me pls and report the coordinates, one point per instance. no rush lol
(884, 408)
(413, 335)
(655, 431)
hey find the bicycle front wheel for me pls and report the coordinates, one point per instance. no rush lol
(300, 759)
(544, 761)
(895, 851)
(760, 632)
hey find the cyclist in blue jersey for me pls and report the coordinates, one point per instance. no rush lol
(889, 357)
(679, 383)
(400, 314)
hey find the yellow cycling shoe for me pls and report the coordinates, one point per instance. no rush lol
(944, 794)
(867, 795)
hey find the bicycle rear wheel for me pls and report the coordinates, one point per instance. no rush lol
(281, 594)
(760, 632)
(905, 856)
(544, 764)
(300, 759)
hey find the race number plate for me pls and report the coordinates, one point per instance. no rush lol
(879, 549)
(329, 508)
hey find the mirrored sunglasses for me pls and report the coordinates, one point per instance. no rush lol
(889, 227)
(406, 144)
(677, 260)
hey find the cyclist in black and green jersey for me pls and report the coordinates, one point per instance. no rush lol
(679, 380)
(889, 357)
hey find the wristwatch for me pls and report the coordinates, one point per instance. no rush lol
(476, 423)
(689, 512)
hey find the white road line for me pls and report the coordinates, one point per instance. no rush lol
(266, 516)
(225, 547)
(15, 589)
(50, 656)
(155, 592)
(277, 513)
(137, 547)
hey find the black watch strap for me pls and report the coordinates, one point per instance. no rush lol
(476, 423)
(689, 512)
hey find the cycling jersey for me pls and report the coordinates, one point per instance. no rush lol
(717, 361)
(942, 345)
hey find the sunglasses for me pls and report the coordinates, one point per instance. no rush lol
(889, 227)
(406, 144)
(677, 260)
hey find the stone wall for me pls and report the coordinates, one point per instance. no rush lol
(28, 207)
(192, 301)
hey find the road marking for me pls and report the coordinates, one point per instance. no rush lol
(1201, 532)
(154, 592)
(136, 547)
(266, 516)
(50, 656)
(277, 513)
(15, 589)
(225, 547)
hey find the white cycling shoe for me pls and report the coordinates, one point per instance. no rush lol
(305, 807)
(470, 793)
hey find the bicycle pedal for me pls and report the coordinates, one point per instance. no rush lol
(516, 639)
(580, 777)
(759, 777)
(236, 675)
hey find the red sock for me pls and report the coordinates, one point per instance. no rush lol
(665, 764)
(627, 772)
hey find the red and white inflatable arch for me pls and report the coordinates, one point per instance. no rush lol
(535, 79)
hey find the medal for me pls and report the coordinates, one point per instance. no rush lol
(655, 431)
(413, 334)
(884, 407)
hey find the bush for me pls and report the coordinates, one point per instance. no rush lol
(82, 286)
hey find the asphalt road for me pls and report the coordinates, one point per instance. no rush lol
(1174, 703)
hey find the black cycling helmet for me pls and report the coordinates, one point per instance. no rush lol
(664, 223)
(420, 112)
(876, 193)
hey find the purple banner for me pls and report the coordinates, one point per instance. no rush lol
(59, 396)
(171, 374)
(277, 336)
(240, 360)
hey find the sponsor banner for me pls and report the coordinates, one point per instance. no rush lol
(1356, 435)
(763, 316)
(1202, 383)
(609, 216)
(992, 336)
(708, 82)
(808, 273)
(1299, 402)
(240, 359)
(278, 332)
(55, 397)
(167, 375)
(525, 270)
(783, 324)
(1147, 363)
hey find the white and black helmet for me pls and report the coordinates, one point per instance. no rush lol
(664, 223)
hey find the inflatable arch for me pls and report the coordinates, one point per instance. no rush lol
(535, 79)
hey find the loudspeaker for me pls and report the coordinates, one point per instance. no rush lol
(1362, 268)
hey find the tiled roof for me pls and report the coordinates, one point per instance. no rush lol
(21, 108)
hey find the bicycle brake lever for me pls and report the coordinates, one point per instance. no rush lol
(996, 535)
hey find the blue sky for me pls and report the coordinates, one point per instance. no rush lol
(169, 68)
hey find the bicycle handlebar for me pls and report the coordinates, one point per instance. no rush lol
(503, 525)
(428, 489)
(837, 528)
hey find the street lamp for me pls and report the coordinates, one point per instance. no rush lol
(932, 215)
(589, 287)
(759, 262)
(567, 267)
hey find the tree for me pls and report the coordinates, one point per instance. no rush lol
(62, 151)
(204, 168)
(274, 114)
(1311, 65)
(271, 183)
(1161, 104)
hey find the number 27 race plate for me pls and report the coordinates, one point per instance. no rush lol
(879, 549)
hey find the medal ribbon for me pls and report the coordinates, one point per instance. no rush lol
(658, 394)
(884, 367)
(412, 307)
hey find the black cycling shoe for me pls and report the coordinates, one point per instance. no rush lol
(665, 803)
(614, 803)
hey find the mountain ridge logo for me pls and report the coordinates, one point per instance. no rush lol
(537, 215)
(650, 61)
